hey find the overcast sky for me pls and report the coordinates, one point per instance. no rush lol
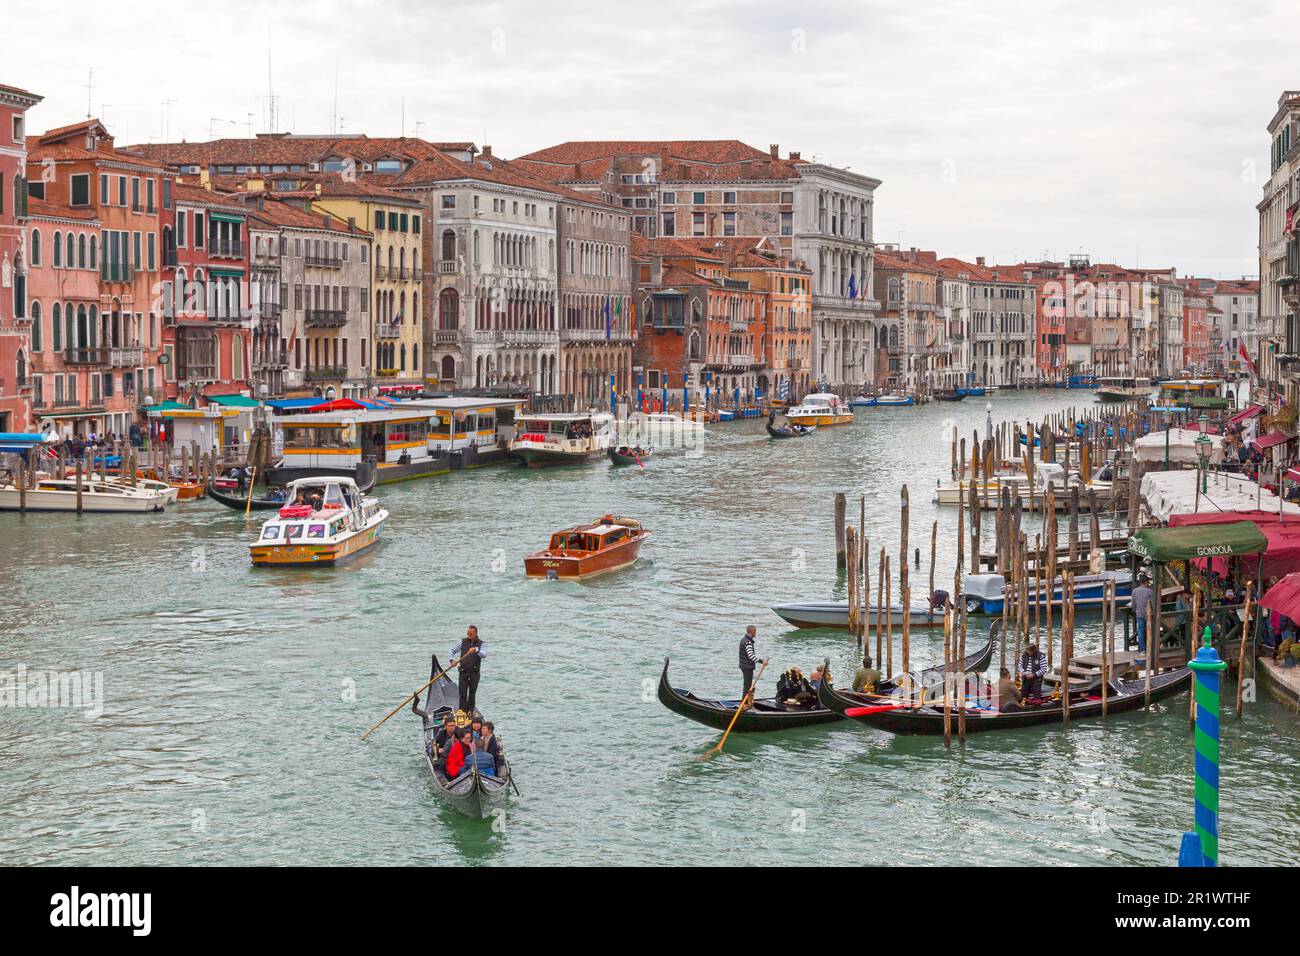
(1134, 132)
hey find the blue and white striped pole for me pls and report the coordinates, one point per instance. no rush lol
(1201, 847)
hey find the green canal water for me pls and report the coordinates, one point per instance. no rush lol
(234, 697)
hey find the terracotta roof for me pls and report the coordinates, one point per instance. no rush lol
(283, 149)
(274, 213)
(486, 168)
(738, 252)
(694, 150)
(892, 262)
(190, 193)
(43, 207)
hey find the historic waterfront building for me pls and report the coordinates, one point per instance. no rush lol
(594, 280)
(1278, 356)
(77, 167)
(491, 303)
(820, 214)
(911, 342)
(16, 385)
(206, 327)
(324, 297)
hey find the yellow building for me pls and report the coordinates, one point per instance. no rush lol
(393, 219)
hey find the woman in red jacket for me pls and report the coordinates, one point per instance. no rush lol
(457, 753)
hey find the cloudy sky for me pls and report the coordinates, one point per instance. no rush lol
(1134, 132)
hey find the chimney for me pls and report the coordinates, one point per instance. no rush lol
(487, 153)
(775, 149)
(911, 254)
(352, 223)
(795, 156)
(325, 218)
(663, 156)
(979, 260)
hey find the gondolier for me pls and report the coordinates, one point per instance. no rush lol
(748, 659)
(470, 654)
(1033, 665)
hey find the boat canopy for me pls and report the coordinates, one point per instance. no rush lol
(19, 442)
(1189, 542)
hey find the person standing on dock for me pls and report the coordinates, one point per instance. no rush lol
(1141, 604)
(748, 659)
(470, 654)
(1033, 665)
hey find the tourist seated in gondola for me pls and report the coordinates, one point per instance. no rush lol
(480, 760)
(459, 752)
(1033, 666)
(490, 744)
(792, 684)
(866, 678)
(476, 725)
(1009, 695)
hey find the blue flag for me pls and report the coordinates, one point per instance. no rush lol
(853, 286)
(608, 326)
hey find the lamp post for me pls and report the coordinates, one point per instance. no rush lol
(148, 403)
(1203, 445)
(988, 419)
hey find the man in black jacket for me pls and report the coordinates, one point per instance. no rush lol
(748, 659)
(470, 653)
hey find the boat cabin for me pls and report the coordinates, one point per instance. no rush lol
(558, 429)
(315, 509)
(589, 540)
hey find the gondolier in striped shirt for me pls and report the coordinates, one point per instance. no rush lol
(1033, 665)
(748, 659)
(470, 654)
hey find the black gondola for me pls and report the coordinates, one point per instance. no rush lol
(790, 431)
(473, 794)
(1125, 695)
(949, 395)
(623, 455)
(240, 502)
(771, 714)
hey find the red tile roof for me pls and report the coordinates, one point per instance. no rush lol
(274, 213)
(284, 149)
(43, 207)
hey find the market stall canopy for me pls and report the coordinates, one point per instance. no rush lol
(1264, 442)
(1250, 411)
(18, 442)
(157, 408)
(339, 405)
(1284, 597)
(1163, 545)
(1283, 533)
(234, 401)
(1181, 449)
(1169, 493)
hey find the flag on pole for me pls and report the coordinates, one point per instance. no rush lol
(853, 286)
(1245, 358)
(608, 320)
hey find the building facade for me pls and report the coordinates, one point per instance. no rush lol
(1278, 344)
(16, 385)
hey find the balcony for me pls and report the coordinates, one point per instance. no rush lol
(268, 310)
(403, 273)
(126, 358)
(85, 357)
(326, 318)
(275, 358)
(325, 373)
(738, 325)
(225, 248)
(446, 337)
(417, 275)
(381, 272)
(741, 359)
(169, 256)
(387, 330)
(515, 337)
(593, 335)
(447, 267)
(324, 262)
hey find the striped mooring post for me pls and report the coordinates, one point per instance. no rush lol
(1201, 847)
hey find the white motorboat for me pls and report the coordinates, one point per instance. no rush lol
(563, 439)
(822, 408)
(97, 495)
(836, 614)
(336, 522)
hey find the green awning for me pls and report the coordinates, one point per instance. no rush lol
(1206, 401)
(234, 401)
(225, 217)
(227, 273)
(1162, 545)
(167, 406)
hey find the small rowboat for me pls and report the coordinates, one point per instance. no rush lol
(902, 718)
(772, 714)
(473, 794)
(606, 544)
(790, 431)
(624, 456)
(836, 614)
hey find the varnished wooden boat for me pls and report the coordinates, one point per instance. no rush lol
(606, 544)
(771, 714)
(790, 431)
(623, 456)
(900, 718)
(473, 794)
(238, 502)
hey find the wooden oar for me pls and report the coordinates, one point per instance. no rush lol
(252, 478)
(414, 696)
(745, 702)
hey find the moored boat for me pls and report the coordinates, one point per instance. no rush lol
(1122, 389)
(886, 401)
(808, 614)
(769, 713)
(473, 794)
(606, 544)
(949, 395)
(98, 495)
(563, 439)
(338, 523)
(900, 717)
(985, 593)
(821, 408)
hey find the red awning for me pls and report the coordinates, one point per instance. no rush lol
(338, 405)
(1250, 411)
(1271, 439)
(1284, 597)
(1292, 474)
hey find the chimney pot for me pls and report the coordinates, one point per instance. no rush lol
(776, 150)
(795, 156)
(487, 152)
(979, 260)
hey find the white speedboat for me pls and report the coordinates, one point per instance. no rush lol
(660, 430)
(822, 408)
(324, 521)
(97, 495)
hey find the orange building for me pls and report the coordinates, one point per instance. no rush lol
(77, 169)
(1196, 329)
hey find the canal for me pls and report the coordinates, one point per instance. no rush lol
(234, 698)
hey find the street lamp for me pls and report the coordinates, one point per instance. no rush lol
(988, 419)
(1203, 446)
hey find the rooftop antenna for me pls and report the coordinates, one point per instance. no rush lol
(270, 94)
(418, 124)
(403, 117)
(165, 109)
(90, 92)
(334, 116)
